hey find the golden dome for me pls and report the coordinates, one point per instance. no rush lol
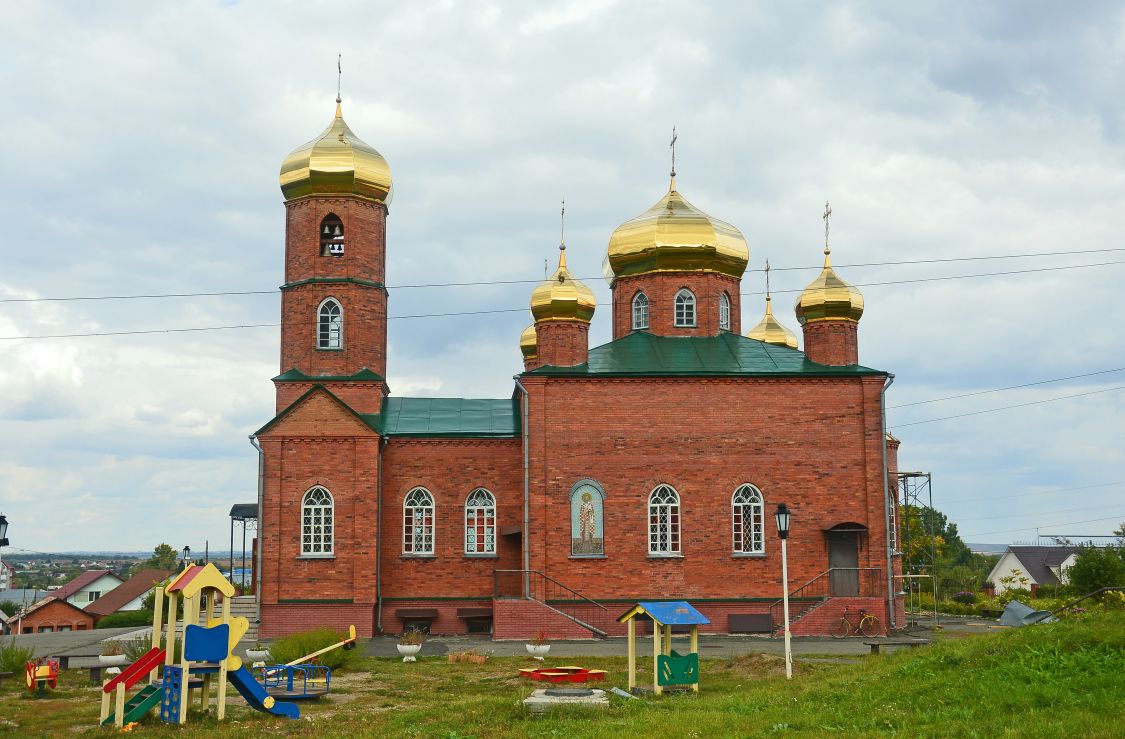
(561, 297)
(529, 342)
(829, 298)
(336, 162)
(770, 330)
(675, 236)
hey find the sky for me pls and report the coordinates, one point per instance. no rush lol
(143, 141)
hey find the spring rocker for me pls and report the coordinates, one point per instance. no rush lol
(41, 674)
(206, 658)
(668, 666)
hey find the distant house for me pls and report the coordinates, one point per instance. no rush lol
(1040, 565)
(87, 587)
(129, 595)
(7, 575)
(52, 614)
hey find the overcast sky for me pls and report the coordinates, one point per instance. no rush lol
(143, 140)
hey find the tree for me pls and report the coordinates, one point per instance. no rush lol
(1097, 567)
(1119, 532)
(164, 557)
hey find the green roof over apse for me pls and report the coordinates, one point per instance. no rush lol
(446, 417)
(642, 353)
(296, 375)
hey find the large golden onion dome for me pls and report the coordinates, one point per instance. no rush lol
(675, 236)
(336, 162)
(829, 298)
(529, 342)
(770, 330)
(562, 297)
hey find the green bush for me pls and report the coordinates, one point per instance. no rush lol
(1054, 591)
(14, 659)
(1023, 595)
(292, 647)
(1097, 567)
(125, 618)
(9, 607)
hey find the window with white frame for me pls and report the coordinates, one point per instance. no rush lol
(640, 311)
(747, 520)
(330, 325)
(418, 522)
(480, 522)
(663, 521)
(724, 312)
(685, 308)
(316, 522)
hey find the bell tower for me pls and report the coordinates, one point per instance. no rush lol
(334, 300)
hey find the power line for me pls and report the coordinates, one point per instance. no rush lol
(1120, 516)
(1052, 491)
(1009, 387)
(1009, 407)
(146, 296)
(1037, 513)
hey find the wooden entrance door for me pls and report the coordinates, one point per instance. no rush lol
(843, 552)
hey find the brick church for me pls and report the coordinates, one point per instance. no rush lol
(646, 468)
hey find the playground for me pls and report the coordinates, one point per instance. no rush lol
(1057, 680)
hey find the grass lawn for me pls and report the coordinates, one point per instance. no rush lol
(1058, 680)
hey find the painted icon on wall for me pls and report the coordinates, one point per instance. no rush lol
(586, 520)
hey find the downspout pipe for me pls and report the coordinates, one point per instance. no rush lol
(526, 491)
(261, 492)
(379, 539)
(887, 505)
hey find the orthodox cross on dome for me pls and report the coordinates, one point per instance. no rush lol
(672, 146)
(339, 74)
(826, 216)
(562, 225)
(767, 280)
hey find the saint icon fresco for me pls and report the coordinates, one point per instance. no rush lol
(586, 521)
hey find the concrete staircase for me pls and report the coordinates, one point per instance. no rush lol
(244, 606)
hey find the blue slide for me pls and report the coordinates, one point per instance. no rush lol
(257, 697)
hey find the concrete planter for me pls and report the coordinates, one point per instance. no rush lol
(257, 655)
(538, 651)
(408, 651)
(113, 659)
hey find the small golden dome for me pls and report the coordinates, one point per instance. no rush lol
(770, 330)
(336, 162)
(675, 236)
(529, 342)
(829, 298)
(561, 297)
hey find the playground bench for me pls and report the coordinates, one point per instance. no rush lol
(877, 645)
(750, 623)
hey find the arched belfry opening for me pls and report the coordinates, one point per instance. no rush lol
(331, 236)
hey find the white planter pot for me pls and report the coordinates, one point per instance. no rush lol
(113, 659)
(257, 655)
(408, 651)
(538, 651)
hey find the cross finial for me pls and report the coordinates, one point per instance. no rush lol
(562, 225)
(672, 146)
(767, 280)
(339, 75)
(826, 216)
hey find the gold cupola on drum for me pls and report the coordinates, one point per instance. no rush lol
(529, 347)
(770, 330)
(562, 307)
(337, 162)
(829, 310)
(675, 270)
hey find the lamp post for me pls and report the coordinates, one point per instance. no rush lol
(3, 543)
(781, 517)
(187, 553)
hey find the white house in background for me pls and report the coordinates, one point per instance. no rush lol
(87, 587)
(1040, 565)
(7, 575)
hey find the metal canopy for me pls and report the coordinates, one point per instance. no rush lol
(666, 613)
(244, 511)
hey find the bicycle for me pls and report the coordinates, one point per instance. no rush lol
(868, 625)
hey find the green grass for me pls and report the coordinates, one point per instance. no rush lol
(1063, 679)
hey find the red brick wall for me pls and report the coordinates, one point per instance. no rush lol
(833, 343)
(661, 289)
(289, 618)
(524, 619)
(450, 469)
(54, 615)
(362, 397)
(562, 343)
(447, 621)
(818, 621)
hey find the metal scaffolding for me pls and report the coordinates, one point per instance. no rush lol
(919, 563)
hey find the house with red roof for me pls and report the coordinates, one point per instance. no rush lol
(51, 614)
(129, 595)
(87, 587)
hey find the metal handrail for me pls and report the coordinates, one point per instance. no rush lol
(797, 593)
(496, 589)
(577, 607)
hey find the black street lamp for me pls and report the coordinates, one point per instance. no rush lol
(781, 518)
(3, 539)
(187, 553)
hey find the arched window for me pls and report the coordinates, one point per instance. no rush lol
(747, 521)
(330, 325)
(724, 312)
(316, 522)
(418, 522)
(664, 521)
(331, 236)
(685, 308)
(640, 311)
(480, 522)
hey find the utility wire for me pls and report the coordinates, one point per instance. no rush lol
(1017, 405)
(975, 535)
(1037, 513)
(140, 296)
(1052, 491)
(1010, 387)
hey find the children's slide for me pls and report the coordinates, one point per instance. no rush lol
(257, 697)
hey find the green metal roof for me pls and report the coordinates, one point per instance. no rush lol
(445, 417)
(642, 353)
(296, 375)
